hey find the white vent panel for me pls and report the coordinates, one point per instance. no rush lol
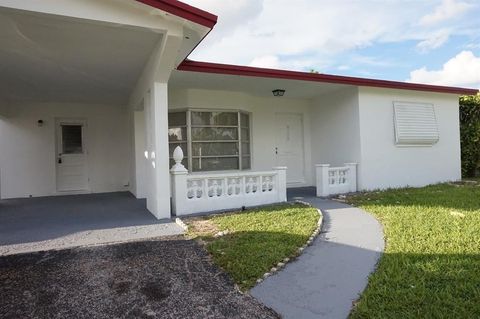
(415, 124)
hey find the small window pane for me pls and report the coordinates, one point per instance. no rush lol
(244, 120)
(183, 146)
(246, 162)
(215, 164)
(72, 139)
(177, 119)
(211, 149)
(245, 134)
(214, 133)
(177, 134)
(245, 149)
(215, 118)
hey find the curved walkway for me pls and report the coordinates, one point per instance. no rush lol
(330, 274)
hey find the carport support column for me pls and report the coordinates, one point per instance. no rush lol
(158, 196)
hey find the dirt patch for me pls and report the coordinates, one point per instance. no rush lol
(201, 226)
(152, 279)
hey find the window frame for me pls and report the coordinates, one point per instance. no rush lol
(190, 157)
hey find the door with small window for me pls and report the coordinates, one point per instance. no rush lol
(71, 156)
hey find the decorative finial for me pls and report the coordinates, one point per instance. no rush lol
(178, 158)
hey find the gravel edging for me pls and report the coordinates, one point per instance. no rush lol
(180, 223)
(300, 250)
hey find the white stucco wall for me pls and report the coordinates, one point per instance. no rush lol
(347, 125)
(383, 164)
(335, 128)
(263, 110)
(28, 156)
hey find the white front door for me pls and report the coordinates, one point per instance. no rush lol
(289, 146)
(71, 156)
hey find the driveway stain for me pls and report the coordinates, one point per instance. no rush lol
(156, 291)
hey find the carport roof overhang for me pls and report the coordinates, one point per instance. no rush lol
(330, 81)
(184, 10)
(52, 58)
(88, 52)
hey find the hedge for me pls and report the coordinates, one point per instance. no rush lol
(470, 134)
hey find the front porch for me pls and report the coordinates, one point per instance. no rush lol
(58, 222)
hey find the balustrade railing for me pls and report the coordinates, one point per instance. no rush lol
(195, 193)
(336, 180)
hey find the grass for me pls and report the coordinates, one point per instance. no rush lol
(256, 240)
(431, 265)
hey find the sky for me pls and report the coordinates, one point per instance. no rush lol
(421, 41)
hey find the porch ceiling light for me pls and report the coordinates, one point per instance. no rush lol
(278, 92)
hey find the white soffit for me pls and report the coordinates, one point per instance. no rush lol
(256, 86)
(45, 58)
(415, 124)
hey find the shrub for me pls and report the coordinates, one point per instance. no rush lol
(470, 134)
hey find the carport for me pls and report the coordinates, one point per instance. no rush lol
(83, 108)
(44, 223)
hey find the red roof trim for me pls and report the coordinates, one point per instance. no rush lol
(218, 68)
(183, 10)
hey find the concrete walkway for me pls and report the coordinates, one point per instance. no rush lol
(329, 276)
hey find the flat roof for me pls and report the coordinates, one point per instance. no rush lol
(207, 67)
(184, 10)
(209, 20)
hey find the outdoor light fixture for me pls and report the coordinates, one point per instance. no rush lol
(278, 92)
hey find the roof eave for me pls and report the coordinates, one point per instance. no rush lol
(184, 11)
(206, 67)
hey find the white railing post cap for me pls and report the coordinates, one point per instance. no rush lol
(322, 165)
(280, 168)
(351, 164)
(178, 168)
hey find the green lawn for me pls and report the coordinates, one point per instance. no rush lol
(431, 265)
(256, 240)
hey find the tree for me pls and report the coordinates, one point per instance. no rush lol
(470, 134)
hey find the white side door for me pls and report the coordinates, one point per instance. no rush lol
(289, 146)
(71, 156)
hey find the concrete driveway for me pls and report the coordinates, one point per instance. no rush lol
(152, 279)
(33, 224)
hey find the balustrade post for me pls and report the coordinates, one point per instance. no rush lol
(225, 187)
(178, 175)
(352, 176)
(322, 180)
(281, 183)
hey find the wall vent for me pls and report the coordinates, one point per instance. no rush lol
(415, 124)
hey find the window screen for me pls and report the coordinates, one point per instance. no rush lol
(215, 141)
(415, 124)
(72, 139)
(211, 140)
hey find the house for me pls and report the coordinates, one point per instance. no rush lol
(95, 96)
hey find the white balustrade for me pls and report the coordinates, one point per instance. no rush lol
(336, 180)
(196, 193)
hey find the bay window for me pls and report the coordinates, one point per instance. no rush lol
(211, 140)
